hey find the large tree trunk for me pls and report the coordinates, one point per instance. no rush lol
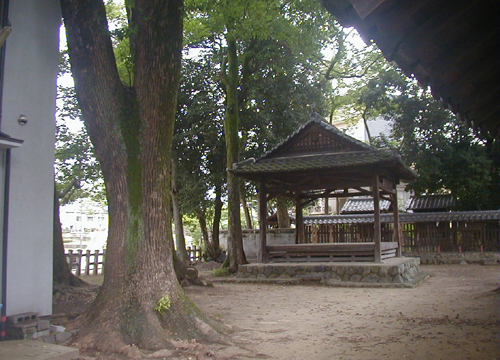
(180, 240)
(131, 130)
(235, 255)
(62, 274)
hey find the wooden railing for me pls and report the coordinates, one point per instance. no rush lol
(194, 253)
(84, 263)
(432, 236)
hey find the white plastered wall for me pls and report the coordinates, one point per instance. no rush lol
(31, 67)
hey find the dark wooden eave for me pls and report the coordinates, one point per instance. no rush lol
(452, 46)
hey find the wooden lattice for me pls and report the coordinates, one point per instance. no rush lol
(315, 142)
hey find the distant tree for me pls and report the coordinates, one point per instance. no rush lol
(200, 148)
(446, 154)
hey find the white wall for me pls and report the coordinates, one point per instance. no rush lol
(251, 240)
(31, 67)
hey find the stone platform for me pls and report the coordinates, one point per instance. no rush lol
(32, 349)
(393, 272)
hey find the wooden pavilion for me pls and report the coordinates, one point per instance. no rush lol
(320, 161)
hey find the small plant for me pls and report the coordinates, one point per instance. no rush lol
(223, 271)
(163, 305)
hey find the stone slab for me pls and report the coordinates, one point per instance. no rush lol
(394, 272)
(30, 349)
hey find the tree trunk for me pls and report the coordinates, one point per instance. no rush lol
(180, 240)
(282, 213)
(235, 255)
(246, 209)
(202, 220)
(131, 130)
(213, 250)
(62, 274)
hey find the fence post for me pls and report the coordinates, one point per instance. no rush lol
(196, 253)
(79, 270)
(96, 262)
(87, 265)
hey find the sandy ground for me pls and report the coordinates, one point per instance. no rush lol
(452, 315)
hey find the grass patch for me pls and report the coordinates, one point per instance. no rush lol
(223, 271)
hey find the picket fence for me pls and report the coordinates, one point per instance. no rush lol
(86, 263)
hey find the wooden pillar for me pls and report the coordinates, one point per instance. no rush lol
(377, 234)
(262, 255)
(397, 228)
(299, 223)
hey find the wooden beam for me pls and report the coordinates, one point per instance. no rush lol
(397, 228)
(299, 222)
(262, 255)
(377, 235)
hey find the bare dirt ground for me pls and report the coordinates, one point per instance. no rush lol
(452, 315)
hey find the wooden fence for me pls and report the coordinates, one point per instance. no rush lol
(453, 236)
(194, 253)
(84, 263)
(418, 236)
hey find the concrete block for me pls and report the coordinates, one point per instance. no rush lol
(22, 318)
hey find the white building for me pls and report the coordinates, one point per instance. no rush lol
(83, 216)
(28, 68)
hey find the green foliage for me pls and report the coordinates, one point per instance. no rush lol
(448, 157)
(279, 75)
(445, 153)
(163, 305)
(77, 172)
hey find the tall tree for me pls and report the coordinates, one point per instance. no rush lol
(243, 28)
(131, 128)
(199, 143)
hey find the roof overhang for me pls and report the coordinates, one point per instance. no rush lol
(451, 46)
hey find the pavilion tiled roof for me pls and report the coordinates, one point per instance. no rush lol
(488, 215)
(340, 154)
(363, 205)
(316, 162)
(431, 202)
